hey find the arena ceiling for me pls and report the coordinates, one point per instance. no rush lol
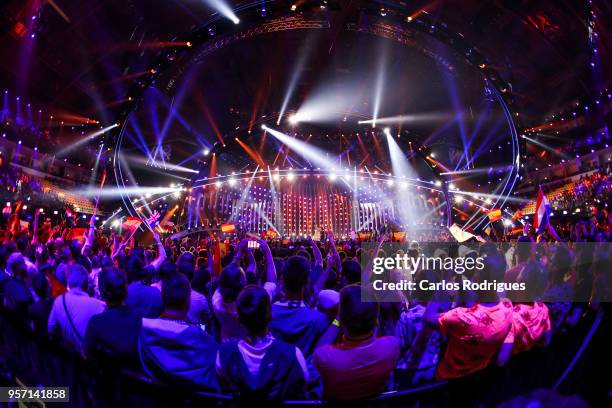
(87, 56)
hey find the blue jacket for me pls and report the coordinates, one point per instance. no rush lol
(280, 375)
(178, 353)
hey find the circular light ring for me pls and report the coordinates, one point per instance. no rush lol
(421, 23)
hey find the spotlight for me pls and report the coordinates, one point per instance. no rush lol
(390, 182)
(264, 127)
(458, 199)
(206, 152)
(438, 183)
(387, 131)
(293, 119)
(219, 184)
(293, 7)
(451, 186)
(115, 223)
(232, 182)
(290, 177)
(332, 176)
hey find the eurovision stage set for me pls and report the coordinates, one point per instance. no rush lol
(319, 138)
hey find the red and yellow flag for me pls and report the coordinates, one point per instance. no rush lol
(495, 214)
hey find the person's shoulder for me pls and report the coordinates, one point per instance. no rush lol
(460, 317)
(388, 341)
(100, 322)
(327, 355)
(150, 322)
(197, 296)
(92, 305)
(216, 297)
(454, 314)
(390, 345)
(94, 302)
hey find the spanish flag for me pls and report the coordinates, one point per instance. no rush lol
(494, 214)
(226, 228)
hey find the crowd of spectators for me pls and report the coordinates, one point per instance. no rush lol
(592, 189)
(269, 320)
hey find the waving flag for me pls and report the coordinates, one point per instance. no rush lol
(495, 214)
(131, 223)
(461, 235)
(153, 220)
(227, 228)
(542, 211)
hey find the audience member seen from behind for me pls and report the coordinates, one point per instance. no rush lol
(259, 366)
(115, 331)
(292, 320)
(474, 334)
(172, 350)
(72, 311)
(361, 364)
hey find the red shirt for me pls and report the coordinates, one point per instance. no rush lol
(475, 335)
(529, 324)
(356, 369)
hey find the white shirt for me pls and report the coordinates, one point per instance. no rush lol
(253, 354)
(81, 308)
